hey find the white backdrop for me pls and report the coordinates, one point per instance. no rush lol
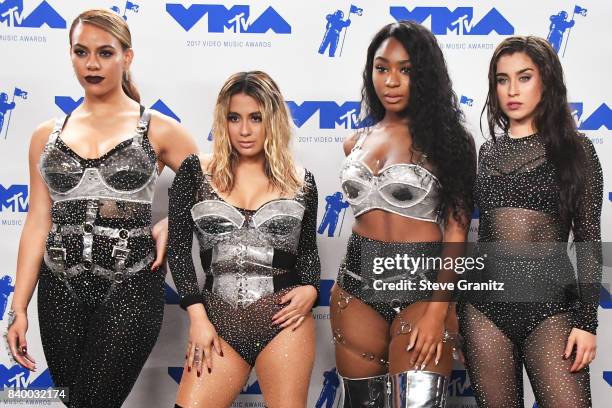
(185, 50)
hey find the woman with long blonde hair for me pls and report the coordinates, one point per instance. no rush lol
(254, 213)
(88, 240)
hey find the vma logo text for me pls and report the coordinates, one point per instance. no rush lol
(331, 114)
(602, 116)
(460, 21)
(11, 15)
(236, 19)
(14, 198)
(67, 104)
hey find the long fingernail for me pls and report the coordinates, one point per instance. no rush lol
(409, 347)
(199, 373)
(437, 361)
(416, 367)
(209, 371)
(221, 353)
(188, 369)
(422, 366)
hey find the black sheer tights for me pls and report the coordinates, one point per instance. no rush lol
(495, 364)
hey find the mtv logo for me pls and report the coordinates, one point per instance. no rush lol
(236, 19)
(172, 298)
(326, 286)
(14, 198)
(605, 299)
(607, 376)
(460, 385)
(67, 104)
(460, 21)
(466, 101)
(11, 15)
(251, 389)
(19, 377)
(331, 114)
(476, 213)
(602, 116)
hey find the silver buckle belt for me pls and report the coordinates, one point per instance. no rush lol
(57, 267)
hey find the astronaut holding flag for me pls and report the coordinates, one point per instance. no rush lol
(128, 6)
(5, 107)
(335, 25)
(559, 24)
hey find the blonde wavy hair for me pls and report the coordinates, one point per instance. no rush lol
(279, 165)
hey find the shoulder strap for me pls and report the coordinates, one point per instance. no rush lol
(361, 139)
(143, 126)
(57, 129)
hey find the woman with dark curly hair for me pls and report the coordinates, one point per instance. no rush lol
(538, 180)
(408, 178)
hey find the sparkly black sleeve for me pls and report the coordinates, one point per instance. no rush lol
(182, 195)
(587, 236)
(308, 263)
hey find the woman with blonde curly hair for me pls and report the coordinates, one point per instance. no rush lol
(254, 213)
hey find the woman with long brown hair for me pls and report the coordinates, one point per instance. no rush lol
(538, 181)
(88, 240)
(408, 178)
(254, 213)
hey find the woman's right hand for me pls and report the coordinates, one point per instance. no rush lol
(16, 338)
(203, 338)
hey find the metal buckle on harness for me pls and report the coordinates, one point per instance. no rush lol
(57, 254)
(120, 252)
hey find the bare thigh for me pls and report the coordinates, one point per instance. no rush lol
(284, 366)
(220, 387)
(400, 359)
(361, 336)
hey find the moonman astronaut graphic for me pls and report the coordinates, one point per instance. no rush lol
(335, 24)
(5, 291)
(4, 107)
(333, 208)
(558, 26)
(328, 392)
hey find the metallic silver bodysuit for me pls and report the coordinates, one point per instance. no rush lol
(250, 257)
(99, 303)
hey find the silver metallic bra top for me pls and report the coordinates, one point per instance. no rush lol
(405, 189)
(125, 173)
(276, 224)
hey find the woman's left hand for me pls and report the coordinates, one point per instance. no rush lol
(586, 345)
(160, 235)
(427, 339)
(301, 300)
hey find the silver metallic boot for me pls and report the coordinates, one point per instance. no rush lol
(370, 392)
(418, 389)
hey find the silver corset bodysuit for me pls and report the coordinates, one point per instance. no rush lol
(101, 209)
(245, 253)
(405, 189)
